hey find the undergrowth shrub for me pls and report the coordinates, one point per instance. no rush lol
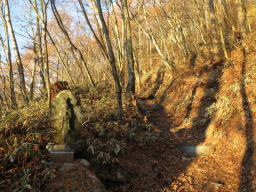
(106, 137)
(24, 134)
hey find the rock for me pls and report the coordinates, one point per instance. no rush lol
(66, 118)
(197, 150)
(75, 177)
(117, 174)
(85, 163)
(47, 163)
(67, 167)
(213, 185)
(217, 184)
(186, 159)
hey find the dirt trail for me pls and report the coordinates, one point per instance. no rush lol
(163, 167)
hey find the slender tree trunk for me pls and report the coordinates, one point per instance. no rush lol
(57, 73)
(4, 84)
(39, 46)
(150, 55)
(32, 83)
(112, 61)
(152, 38)
(102, 46)
(61, 59)
(211, 25)
(184, 41)
(96, 20)
(129, 50)
(118, 42)
(163, 39)
(4, 92)
(242, 18)
(8, 58)
(1, 99)
(73, 47)
(43, 5)
(17, 54)
(122, 50)
(220, 29)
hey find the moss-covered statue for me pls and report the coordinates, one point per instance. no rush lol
(66, 117)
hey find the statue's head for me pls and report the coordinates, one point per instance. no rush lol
(58, 87)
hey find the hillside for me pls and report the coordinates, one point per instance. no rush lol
(210, 106)
(149, 96)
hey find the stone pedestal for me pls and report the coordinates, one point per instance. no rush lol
(61, 153)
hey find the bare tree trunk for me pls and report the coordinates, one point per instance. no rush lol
(1, 99)
(102, 46)
(242, 18)
(122, 50)
(129, 50)
(73, 47)
(4, 85)
(61, 59)
(4, 93)
(57, 73)
(184, 41)
(139, 63)
(96, 20)
(17, 54)
(150, 55)
(211, 25)
(39, 45)
(220, 29)
(43, 6)
(118, 38)
(8, 58)
(32, 83)
(163, 39)
(112, 61)
(118, 42)
(201, 21)
(152, 38)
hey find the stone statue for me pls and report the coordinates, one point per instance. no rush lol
(66, 118)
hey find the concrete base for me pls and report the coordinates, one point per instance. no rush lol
(60, 153)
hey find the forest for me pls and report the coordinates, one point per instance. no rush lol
(146, 95)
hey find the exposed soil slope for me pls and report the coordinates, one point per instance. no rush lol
(213, 104)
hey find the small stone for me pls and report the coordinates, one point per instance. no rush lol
(85, 163)
(67, 167)
(199, 150)
(47, 163)
(174, 130)
(217, 184)
(185, 159)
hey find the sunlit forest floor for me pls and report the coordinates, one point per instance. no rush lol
(209, 102)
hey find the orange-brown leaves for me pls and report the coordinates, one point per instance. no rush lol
(58, 87)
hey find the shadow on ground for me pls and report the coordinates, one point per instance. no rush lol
(162, 162)
(159, 165)
(246, 176)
